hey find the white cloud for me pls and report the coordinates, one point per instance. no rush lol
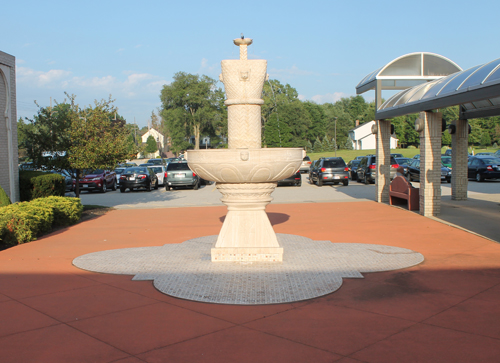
(329, 97)
(41, 79)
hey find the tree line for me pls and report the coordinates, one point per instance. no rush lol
(193, 106)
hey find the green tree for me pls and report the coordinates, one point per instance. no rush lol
(485, 139)
(151, 145)
(191, 104)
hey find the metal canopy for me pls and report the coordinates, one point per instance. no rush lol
(476, 89)
(407, 71)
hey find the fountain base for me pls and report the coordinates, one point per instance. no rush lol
(247, 233)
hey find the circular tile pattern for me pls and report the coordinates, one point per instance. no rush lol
(309, 269)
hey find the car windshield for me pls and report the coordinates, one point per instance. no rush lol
(98, 171)
(491, 161)
(178, 166)
(355, 162)
(156, 169)
(335, 163)
(136, 170)
(306, 158)
(119, 170)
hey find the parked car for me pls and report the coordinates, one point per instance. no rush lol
(447, 152)
(483, 167)
(313, 166)
(295, 179)
(404, 163)
(161, 172)
(353, 166)
(497, 153)
(98, 179)
(485, 154)
(306, 164)
(367, 169)
(138, 177)
(446, 161)
(157, 161)
(118, 172)
(330, 170)
(397, 155)
(179, 175)
(413, 172)
(69, 180)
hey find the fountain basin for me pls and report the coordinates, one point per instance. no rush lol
(245, 165)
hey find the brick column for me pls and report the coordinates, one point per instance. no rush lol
(383, 178)
(459, 141)
(430, 163)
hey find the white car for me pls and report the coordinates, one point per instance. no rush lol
(160, 172)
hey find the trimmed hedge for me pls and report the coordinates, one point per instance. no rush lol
(25, 221)
(37, 184)
(4, 198)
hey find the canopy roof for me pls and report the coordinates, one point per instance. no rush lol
(407, 71)
(476, 89)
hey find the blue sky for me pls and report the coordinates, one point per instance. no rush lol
(130, 49)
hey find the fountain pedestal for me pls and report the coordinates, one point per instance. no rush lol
(247, 234)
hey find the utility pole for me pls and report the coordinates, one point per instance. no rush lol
(335, 136)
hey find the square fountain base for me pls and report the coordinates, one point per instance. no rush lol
(247, 254)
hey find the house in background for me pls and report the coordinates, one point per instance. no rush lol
(9, 172)
(363, 139)
(160, 142)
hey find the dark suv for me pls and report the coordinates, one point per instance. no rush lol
(329, 170)
(179, 175)
(367, 169)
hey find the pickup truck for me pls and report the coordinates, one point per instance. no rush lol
(99, 179)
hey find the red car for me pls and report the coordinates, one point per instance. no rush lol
(100, 180)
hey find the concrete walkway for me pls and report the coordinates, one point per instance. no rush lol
(443, 310)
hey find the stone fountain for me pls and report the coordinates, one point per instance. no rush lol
(245, 173)
(247, 246)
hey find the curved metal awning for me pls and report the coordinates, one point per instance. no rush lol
(407, 71)
(476, 89)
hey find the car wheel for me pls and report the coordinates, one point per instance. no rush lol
(196, 186)
(167, 188)
(104, 188)
(366, 181)
(479, 177)
(122, 189)
(448, 180)
(298, 184)
(148, 187)
(113, 187)
(156, 185)
(320, 182)
(345, 182)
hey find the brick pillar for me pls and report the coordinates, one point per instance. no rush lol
(383, 179)
(430, 163)
(459, 141)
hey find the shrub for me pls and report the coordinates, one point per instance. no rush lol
(25, 221)
(411, 147)
(4, 198)
(67, 211)
(37, 184)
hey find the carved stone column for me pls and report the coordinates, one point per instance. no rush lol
(459, 159)
(430, 127)
(383, 135)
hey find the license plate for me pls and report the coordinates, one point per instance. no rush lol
(336, 177)
(179, 175)
(131, 178)
(85, 186)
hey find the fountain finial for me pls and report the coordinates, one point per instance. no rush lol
(243, 43)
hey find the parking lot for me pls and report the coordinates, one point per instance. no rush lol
(479, 214)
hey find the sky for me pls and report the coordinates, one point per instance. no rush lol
(131, 49)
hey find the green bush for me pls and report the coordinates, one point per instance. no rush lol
(412, 147)
(37, 184)
(25, 221)
(67, 211)
(4, 198)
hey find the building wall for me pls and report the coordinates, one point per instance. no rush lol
(9, 177)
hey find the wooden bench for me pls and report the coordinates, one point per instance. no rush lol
(401, 188)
